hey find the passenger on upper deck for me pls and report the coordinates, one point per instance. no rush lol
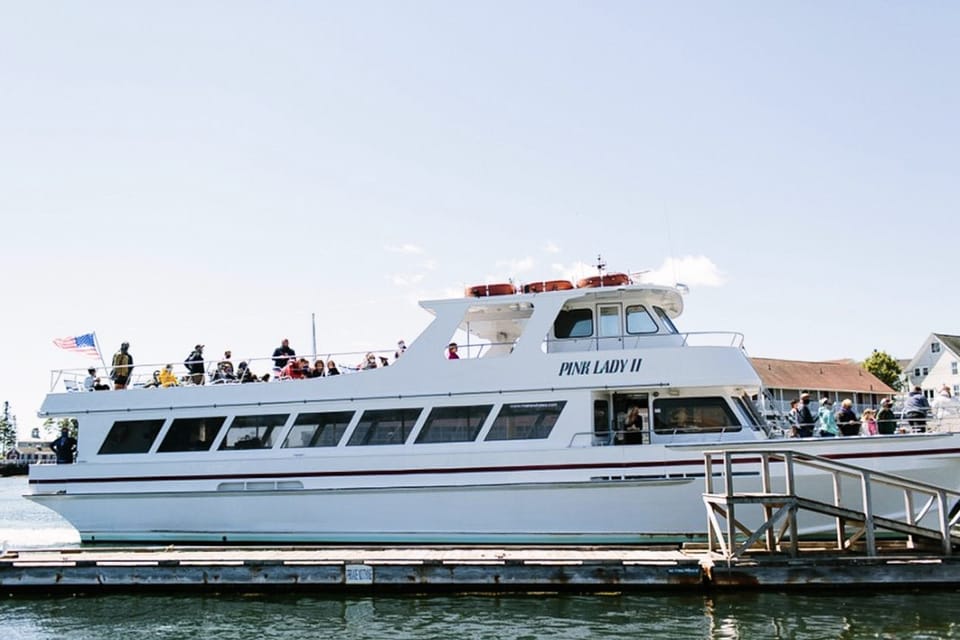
(122, 367)
(282, 354)
(452, 351)
(167, 378)
(332, 368)
(317, 371)
(915, 409)
(194, 364)
(401, 347)
(805, 418)
(154, 381)
(226, 365)
(886, 418)
(847, 419)
(244, 374)
(293, 370)
(369, 362)
(90, 380)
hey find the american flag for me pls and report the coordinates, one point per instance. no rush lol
(85, 344)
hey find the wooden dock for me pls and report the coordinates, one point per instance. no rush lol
(482, 569)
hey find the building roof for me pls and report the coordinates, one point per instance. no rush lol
(952, 342)
(818, 376)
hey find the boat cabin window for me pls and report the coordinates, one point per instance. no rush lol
(253, 432)
(573, 323)
(131, 436)
(665, 319)
(527, 421)
(384, 426)
(191, 434)
(693, 415)
(639, 320)
(318, 429)
(453, 424)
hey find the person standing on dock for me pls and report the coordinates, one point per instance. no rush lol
(65, 447)
(122, 367)
(805, 418)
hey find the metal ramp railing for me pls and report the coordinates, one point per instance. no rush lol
(926, 512)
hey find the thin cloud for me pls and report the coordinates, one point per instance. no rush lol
(408, 248)
(551, 247)
(690, 270)
(406, 280)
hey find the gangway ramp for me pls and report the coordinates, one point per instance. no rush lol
(792, 483)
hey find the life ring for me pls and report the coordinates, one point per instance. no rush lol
(484, 290)
(608, 280)
(547, 285)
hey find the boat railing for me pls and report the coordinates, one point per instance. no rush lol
(263, 367)
(712, 339)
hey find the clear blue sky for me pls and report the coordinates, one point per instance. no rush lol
(215, 172)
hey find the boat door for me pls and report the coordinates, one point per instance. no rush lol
(609, 327)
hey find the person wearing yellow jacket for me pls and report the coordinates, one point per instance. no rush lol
(167, 379)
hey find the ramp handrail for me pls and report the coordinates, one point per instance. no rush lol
(915, 521)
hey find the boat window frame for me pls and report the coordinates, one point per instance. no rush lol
(646, 312)
(318, 437)
(665, 319)
(537, 431)
(363, 432)
(424, 431)
(570, 312)
(695, 403)
(185, 422)
(267, 441)
(129, 425)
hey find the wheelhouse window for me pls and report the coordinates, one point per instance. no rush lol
(573, 323)
(527, 421)
(191, 434)
(639, 320)
(384, 426)
(318, 429)
(131, 436)
(665, 319)
(253, 432)
(453, 424)
(693, 415)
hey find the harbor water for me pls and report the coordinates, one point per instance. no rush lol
(833, 614)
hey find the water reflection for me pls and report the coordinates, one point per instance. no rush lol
(513, 617)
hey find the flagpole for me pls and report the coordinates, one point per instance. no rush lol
(96, 343)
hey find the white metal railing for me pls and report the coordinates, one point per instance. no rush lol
(928, 510)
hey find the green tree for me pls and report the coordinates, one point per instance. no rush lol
(51, 427)
(8, 430)
(882, 365)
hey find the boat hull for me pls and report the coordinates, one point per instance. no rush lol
(655, 495)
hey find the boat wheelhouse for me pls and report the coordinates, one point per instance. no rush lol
(521, 439)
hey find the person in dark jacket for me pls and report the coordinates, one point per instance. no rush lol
(805, 418)
(847, 419)
(886, 418)
(915, 409)
(65, 447)
(282, 354)
(194, 364)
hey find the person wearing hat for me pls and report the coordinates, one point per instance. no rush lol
(65, 446)
(194, 364)
(886, 418)
(90, 380)
(828, 423)
(122, 367)
(805, 418)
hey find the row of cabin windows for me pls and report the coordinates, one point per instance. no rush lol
(578, 323)
(522, 421)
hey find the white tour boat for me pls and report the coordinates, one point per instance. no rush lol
(520, 440)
